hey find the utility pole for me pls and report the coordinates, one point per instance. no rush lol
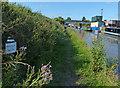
(101, 11)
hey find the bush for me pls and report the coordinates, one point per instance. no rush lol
(12, 76)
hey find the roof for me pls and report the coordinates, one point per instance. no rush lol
(114, 20)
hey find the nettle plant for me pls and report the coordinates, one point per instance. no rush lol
(41, 77)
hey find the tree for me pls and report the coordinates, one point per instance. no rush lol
(56, 19)
(83, 19)
(105, 20)
(87, 21)
(60, 19)
(68, 18)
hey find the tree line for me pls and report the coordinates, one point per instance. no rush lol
(62, 20)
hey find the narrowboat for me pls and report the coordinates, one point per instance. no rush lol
(112, 31)
(95, 29)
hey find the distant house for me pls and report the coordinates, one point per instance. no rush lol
(97, 19)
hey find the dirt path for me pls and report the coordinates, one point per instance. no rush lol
(69, 77)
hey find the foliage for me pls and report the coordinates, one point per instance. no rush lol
(87, 21)
(76, 24)
(37, 79)
(60, 20)
(83, 19)
(105, 20)
(98, 55)
(11, 75)
(68, 18)
(45, 39)
(16, 23)
(100, 67)
(85, 25)
(66, 23)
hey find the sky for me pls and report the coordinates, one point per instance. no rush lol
(63, 0)
(75, 10)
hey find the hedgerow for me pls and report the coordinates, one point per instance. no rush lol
(41, 35)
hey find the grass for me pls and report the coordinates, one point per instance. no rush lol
(47, 41)
(75, 65)
(84, 60)
(73, 59)
(80, 55)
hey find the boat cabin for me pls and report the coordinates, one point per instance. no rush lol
(112, 30)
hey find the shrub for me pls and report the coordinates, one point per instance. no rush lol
(12, 74)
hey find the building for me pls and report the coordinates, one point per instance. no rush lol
(114, 23)
(97, 24)
(97, 19)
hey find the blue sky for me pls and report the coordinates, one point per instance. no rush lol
(75, 10)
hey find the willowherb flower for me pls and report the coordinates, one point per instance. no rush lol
(50, 75)
(45, 79)
(50, 66)
(51, 78)
(43, 68)
(46, 73)
(49, 72)
(23, 47)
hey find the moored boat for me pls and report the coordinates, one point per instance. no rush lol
(112, 31)
(95, 29)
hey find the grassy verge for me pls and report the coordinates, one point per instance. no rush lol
(90, 63)
(47, 41)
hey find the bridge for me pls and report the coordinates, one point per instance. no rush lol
(76, 21)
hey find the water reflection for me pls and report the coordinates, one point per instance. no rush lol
(82, 34)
